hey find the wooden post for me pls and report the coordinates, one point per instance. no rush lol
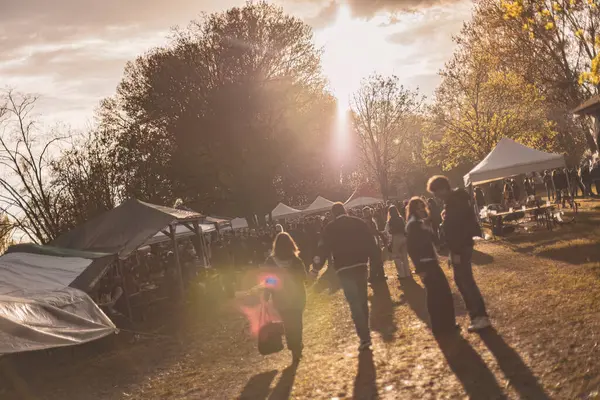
(125, 289)
(200, 238)
(173, 232)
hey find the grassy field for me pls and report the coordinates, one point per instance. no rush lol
(543, 294)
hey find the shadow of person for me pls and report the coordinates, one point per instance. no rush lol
(283, 389)
(328, 280)
(480, 258)
(365, 386)
(416, 297)
(470, 369)
(513, 367)
(382, 312)
(258, 387)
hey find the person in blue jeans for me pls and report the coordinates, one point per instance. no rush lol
(352, 245)
(460, 226)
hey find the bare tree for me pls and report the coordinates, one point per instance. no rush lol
(383, 114)
(25, 194)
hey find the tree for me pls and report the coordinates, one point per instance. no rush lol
(231, 116)
(26, 196)
(85, 181)
(383, 111)
(478, 103)
(549, 44)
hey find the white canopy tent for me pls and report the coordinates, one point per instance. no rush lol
(283, 211)
(510, 158)
(239, 223)
(319, 205)
(362, 202)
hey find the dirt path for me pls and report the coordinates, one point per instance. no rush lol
(545, 345)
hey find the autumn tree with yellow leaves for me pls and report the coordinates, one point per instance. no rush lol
(477, 104)
(573, 27)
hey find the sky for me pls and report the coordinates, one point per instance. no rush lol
(72, 52)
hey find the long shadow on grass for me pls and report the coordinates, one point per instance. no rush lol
(258, 387)
(328, 280)
(365, 384)
(470, 369)
(575, 254)
(416, 297)
(382, 312)
(480, 258)
(515, 370)
(283, 389)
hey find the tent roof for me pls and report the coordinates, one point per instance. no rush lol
(510, 158)
(320, 204)
(86, 279)
(365, 190)
(239, 223)
(181, 231)
(362, 202)
(124, 228)
(217, 220)
(282, 211)
(40, 305)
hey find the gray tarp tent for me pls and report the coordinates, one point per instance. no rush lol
(42, 299)
(125, 228)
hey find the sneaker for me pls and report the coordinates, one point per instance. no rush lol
(479, 323)
(364, 346)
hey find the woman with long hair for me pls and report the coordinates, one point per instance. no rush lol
(288, 290)
(421, 248)
(395, 228)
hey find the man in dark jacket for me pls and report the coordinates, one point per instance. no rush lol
(376, 271)
(460, 226)
(352, 245)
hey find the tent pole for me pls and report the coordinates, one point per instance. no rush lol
(173, 232)
(125, 289)
(200, 238)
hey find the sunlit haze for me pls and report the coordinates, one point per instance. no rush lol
(75, 62)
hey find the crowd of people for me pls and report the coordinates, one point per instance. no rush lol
(353, 248)
(559, 185)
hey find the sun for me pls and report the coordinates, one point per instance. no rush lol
(353, 49)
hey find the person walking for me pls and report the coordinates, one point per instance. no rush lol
(549, 184)
(352, 245)
(421, 248)
(395, 227)
(585, 178)
(460, 226)
(435, 218)
(288, 290)
(376, 271)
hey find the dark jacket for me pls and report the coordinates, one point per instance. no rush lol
(460, 224)
(288, 290)
(560, 180)
(351, 243)
(397, 226)
(420, 244)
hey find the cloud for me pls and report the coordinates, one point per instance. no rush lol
(369, 8)
(325, 15)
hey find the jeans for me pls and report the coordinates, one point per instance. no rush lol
(292, 323)
(465, 281)
(354, 284)
(439, 301)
